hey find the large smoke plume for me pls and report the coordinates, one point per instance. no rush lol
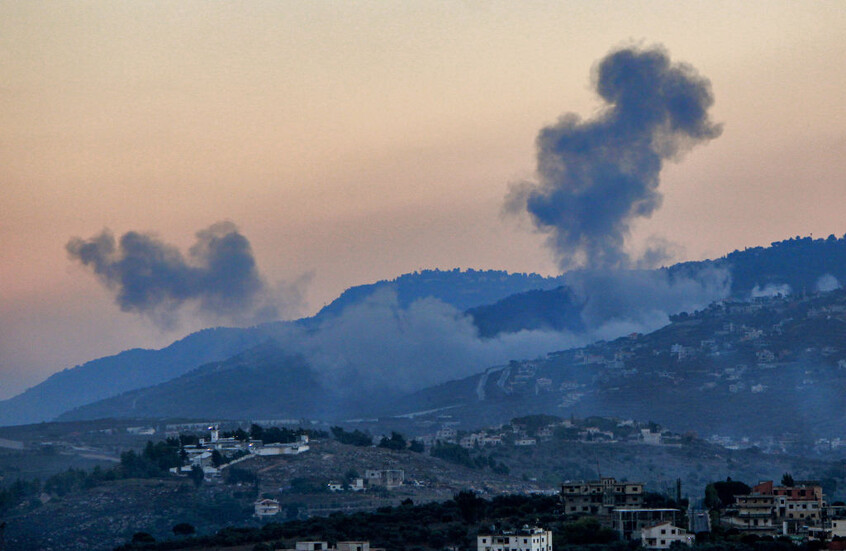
(218, 276)
(378, 345)
(595, 177)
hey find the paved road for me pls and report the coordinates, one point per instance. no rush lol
(699, 521)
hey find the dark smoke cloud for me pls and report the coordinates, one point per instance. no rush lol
(219, 275)
(596, 176)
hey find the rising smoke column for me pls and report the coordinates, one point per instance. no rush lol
(594, 177)
(150, 277)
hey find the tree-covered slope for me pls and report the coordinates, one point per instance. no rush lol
(262, 382)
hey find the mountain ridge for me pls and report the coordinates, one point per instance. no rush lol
(794, 263)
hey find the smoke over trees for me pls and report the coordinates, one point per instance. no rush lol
(595, 177)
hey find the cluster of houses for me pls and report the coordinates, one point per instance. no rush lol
(620, 507)
(525, 539)
(799, 511)
(340, 546)
(796, 510)
(518, 434)
(388, 479)
(202, 454)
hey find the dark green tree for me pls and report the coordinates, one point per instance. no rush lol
(471, 506)
(354, 438)
(395, 442)
(143, 537)
(196, 475)
(216, 459)
(183, 529)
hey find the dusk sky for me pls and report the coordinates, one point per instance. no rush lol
(352, 142)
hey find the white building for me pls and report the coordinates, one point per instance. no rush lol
(526, 539)
(278, 448)
(340, 546)
(266, 507)
(663, 535)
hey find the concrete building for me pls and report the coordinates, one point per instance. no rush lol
(754, 513)
(386, 478)
(663, 535)
(600, 497)
(525, 539)
(266, 508)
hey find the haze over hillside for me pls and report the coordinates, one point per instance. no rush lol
(427, 341)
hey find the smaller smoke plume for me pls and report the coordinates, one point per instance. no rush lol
(595, 177)
(826, 283)
(770, 290)
(218, 276)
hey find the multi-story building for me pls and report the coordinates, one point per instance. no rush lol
(755, 513)
(771, 509)
(526, 539)
(600, 497)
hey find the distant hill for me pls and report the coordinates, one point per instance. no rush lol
(775, 366)
(497, 301)
(262, 382)
(462, 289)
(797, 265)
(137, 368)
(128, 370)
(558, 309)
(799, 262)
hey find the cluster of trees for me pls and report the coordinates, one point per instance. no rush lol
(408, 526)
(16, 492)
(462, 456)
(398, 442)
(358, 438)
(277, 435)
(354, 438)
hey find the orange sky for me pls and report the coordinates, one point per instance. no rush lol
(358, 141)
